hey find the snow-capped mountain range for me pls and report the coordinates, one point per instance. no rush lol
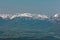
(28, 22)
(29, 17)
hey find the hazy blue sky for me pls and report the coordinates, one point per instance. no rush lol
(48, 7)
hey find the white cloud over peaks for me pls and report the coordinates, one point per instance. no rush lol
(42, 16)
(4, 15)
(21, 15)
(25, 14)
(34, 15)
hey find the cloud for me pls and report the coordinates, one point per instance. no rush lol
(4, 15)
(26, 14)
(42, 16)
(23, 15)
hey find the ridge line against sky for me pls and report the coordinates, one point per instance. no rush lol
(48, 7)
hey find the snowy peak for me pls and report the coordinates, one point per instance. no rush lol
(56, 16)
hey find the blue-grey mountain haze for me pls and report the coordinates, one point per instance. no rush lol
(48, 7)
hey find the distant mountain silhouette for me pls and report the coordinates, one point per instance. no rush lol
(23, 26)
